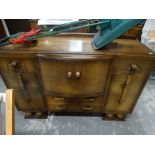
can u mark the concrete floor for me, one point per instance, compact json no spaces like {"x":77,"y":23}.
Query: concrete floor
{"x":141,"y":121}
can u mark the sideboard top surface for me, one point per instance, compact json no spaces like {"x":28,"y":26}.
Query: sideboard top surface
{"x":78,"y":43}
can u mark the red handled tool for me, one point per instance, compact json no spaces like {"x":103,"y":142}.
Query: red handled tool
{"x":22,"y":39}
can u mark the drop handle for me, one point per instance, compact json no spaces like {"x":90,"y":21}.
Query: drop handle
{"x":58,"y":99}
{"x":89,"y":100}
{"x":60,"y":107}
{"x":87,"y":108}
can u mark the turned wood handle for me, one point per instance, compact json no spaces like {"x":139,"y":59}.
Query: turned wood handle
{"x":125,"y":88}
{"x":69,"y":75}
{"x":77,"y":75}
{"x":15,"y":63}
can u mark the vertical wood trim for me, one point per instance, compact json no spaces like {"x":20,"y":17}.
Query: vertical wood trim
{"x":107,"y":86}
{"x":10,"y":112}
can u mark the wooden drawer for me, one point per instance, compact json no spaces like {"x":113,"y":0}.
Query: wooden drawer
{"x":57,"y":104}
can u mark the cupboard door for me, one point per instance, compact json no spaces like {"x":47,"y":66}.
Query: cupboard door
{"x":35,"y":103}
{"x":91,"y":77}
{"x":68,"y":77}
{"x":127,"y":81}
{"x":25,"y":83}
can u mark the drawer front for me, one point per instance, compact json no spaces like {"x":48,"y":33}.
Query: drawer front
{"x":57,"y":104}
{"x":74,"y":78}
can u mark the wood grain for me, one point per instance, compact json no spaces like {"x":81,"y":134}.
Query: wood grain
{"x":10,"y":112}
{"x":66,"y":67}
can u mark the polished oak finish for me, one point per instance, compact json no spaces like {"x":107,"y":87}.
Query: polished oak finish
{"x":65,"y":74}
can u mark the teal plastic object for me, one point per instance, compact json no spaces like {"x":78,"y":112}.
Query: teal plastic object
{"x":109,"y":29}
{"x":112,"y":30}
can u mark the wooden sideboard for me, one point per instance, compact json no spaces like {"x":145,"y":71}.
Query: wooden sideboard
{"x":64,"y":74}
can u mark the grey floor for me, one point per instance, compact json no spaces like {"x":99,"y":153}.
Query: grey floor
{"x":142,"y":120}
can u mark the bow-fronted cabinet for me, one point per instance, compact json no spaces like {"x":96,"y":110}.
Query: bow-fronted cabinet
{"x":64,"y":74}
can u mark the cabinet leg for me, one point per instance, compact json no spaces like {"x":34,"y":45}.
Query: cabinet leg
{"x":28,"y":115}
{"x":116,"y":117}
{"x":108,"y":116}
{"x":39,"y":115}
{"x":120,"y":117}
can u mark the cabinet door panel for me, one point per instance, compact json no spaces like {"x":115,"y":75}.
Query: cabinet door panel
{"x":93,"y":76}
{"x":78,"y":77}
{"x":27,"y":91}
{"x":124,"y":89}
{"x":34,"y":104}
